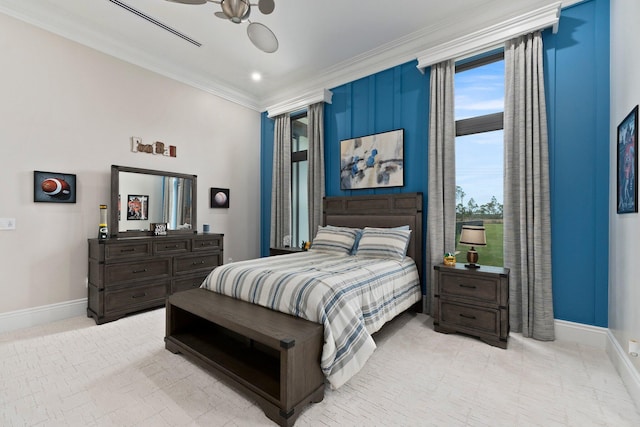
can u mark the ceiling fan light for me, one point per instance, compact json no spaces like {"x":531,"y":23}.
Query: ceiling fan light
{"x":236,"y":10}
{"x":262,"y":37}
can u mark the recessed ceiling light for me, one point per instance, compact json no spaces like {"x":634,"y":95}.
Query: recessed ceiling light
{"x":256,"y":77}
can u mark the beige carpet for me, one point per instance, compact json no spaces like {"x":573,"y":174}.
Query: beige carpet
{"x":74,"y":373}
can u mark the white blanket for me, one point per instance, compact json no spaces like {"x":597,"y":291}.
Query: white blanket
{"x":350,"y":296}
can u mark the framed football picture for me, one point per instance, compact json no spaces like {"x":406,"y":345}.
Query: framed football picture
{"x":54,"y":187}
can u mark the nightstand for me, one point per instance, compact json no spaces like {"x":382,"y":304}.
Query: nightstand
{"x":283,"y":251}
{"x":473,"y":302}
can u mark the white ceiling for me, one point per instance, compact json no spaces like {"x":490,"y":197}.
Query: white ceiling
{"x":322,"y":43}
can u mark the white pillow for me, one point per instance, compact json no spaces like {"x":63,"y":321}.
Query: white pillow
{"x":334,"y":239}
{"x":388,"y":243}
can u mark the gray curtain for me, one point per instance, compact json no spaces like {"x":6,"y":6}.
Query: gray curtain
{"x":315,"y":157}
{"x":441,"y":211}
{"x":281,"y":181}
{"x":527,"y":224}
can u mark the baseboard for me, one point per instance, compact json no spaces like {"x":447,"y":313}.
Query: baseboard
{"x":626,"y":370}
{"x":603,"y":338}
{"x":593,"y":336}
{"x":26,"y":318}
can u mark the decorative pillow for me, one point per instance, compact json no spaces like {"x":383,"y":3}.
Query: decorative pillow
{"x":389,"y":243}
{"x":358,"y":235}
{"x":334,"y":239}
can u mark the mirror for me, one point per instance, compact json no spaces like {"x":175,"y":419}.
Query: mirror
{"x":140,"y":197}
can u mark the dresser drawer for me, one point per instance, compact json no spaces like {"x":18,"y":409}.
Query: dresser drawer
{"x":171,"y":246}
{"x":129,"y":250}
{"x":189,"y":282}
{"x":192,"y":263}
{"x":159,"y":267}
{"x":470,"y":319}
{"x":207,"y":242}
{"x":137,"y":297}
{"x":470,"y":287}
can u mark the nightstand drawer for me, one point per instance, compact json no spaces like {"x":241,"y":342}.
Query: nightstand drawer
{"x":466,"y":286}
{"x":470,"y":319}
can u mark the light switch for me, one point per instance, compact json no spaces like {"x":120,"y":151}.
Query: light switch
{"x":7,"y":223}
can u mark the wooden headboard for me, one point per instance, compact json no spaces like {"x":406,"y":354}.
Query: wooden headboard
{"x":387,"y":210}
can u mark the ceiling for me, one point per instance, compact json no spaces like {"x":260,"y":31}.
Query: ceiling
{"x":322,"y":43}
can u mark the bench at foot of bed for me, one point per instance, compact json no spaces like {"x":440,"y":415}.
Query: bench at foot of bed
{"x":273,"y":356}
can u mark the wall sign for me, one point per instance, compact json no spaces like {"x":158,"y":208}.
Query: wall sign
{"x":156,"y":148}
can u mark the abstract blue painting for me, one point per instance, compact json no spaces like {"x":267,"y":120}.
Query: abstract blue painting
{"x":372,"y":161}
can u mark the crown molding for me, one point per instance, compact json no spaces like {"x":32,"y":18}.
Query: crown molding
{"x":490,"y":37}
{"x":300,"y":102}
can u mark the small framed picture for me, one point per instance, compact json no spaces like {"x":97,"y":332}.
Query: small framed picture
{"x":159,"y":228}
{"x":219,"y":197}
{"x":54,"y":187}
{"x":137,"y":207}
{"x":627,"y":171}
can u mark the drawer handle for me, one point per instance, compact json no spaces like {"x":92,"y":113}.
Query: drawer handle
{"x":171,"y":246}
{"x":140,"y":271}
{"x":144,"y":294}
{"x":197,"y":263}
{"x":462,"y":285}
{"x":128,"y":250}
{"x":206,"y":243}
{"x":466,"y":316}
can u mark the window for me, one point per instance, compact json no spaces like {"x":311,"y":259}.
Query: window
{"x":299,"y":168}
{"x":479,"y":112}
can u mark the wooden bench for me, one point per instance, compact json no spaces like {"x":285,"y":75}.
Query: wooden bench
{"x":273,"y":356}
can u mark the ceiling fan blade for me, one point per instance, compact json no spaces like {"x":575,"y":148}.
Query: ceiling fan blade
{"x":188,"y":1}
{"x":221,"y":15}
{"x":266,"y":6}
{"x":262,"y":37}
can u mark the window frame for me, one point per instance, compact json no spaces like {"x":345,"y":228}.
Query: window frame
{"x":296,"y":157}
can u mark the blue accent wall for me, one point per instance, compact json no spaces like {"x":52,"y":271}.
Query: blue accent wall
{"x":577,"y":86}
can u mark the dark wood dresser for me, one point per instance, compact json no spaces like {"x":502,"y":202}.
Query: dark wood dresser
{"x":127,"y":275}
{"x":473,"y":301}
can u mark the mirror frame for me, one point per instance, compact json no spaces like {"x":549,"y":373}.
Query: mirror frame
{"x":115,"y":190}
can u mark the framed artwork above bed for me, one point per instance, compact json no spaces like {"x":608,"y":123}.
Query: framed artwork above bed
{"x":372,"y":161}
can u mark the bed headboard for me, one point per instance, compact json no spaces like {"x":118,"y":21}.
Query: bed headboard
{"x":380,"y":210}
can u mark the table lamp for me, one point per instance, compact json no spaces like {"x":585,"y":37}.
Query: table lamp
{"x":472,"y":235}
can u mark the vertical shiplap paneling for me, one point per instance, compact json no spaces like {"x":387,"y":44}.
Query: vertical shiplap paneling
{"x":579,"y":158}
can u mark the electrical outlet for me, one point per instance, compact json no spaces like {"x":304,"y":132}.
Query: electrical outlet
{"x":7,"y":223}
{"x":634,"y":348}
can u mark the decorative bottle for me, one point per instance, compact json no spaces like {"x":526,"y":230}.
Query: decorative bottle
{"x":103,"y":229}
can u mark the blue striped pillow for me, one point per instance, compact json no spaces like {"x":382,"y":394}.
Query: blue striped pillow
{"x":332,"y":239}
{"x":388,"y":243}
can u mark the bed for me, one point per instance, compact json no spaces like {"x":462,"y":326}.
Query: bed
{"x":280,"y":326}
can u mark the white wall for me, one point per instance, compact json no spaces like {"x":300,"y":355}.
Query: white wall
{"x":67,"y":108}
{"x":624,"y":239}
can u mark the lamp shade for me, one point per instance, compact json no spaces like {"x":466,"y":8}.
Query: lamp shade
{"x":473,"y":235}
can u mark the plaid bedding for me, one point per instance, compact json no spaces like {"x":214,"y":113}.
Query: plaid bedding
{"x":351,"y":296}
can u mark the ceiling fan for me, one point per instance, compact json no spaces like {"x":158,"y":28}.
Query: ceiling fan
{"x":238,"y":11}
